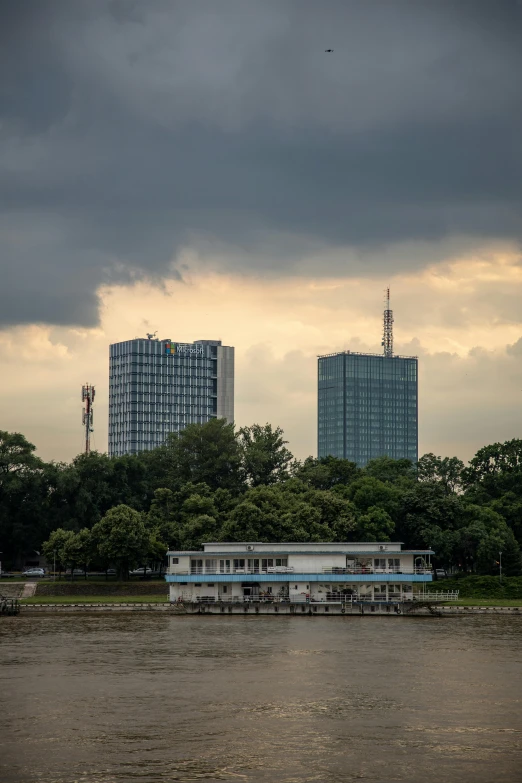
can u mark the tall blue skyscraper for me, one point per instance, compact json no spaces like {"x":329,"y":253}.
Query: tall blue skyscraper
{"x":160,"y":386}
{"x":368,"y":403}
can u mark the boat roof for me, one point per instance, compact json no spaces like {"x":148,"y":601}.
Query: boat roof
{"x":279,"y":552}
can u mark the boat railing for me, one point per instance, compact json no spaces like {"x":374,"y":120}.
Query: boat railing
{"x":327,"y":571}
{"x":442,"y":595}
{"x":329,"y":598}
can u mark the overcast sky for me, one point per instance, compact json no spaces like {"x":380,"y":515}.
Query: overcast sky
{"x":206,"y":169}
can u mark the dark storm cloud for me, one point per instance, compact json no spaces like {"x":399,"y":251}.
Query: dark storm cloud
{"x":130,"y":130}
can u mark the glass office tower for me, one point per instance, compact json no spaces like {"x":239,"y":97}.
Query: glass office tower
{"x":160,"y":386}
{"x":367,"y":406}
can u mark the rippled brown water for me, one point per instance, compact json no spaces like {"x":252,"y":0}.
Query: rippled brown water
{"x":143,"y":698}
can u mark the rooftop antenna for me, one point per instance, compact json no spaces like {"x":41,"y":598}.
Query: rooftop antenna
{"x":387,"y":331}
{"x":151,"y":335}
{"x":88,"y":393}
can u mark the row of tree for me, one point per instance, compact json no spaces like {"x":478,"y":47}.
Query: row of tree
{"x":211,"y":482}
{"x":122,"y":538}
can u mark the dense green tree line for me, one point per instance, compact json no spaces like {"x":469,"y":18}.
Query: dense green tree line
{"x":211,"y":482}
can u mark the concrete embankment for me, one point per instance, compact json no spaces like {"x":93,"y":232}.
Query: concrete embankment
{"x":98,"y":607}
{"x":271,"y":609}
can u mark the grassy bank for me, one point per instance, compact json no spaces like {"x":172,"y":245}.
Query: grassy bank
{"x":473,"y":591}
{"x":482,"y":588}
{"x":92,"y":588}
{"x":97,"y":599}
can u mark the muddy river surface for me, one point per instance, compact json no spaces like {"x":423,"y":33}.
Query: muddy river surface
{"x":152,"y":698}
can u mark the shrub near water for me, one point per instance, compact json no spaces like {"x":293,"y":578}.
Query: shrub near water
{"x":483,"y":586}
{"x":101,"y":588}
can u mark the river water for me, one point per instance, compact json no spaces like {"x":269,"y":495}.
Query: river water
{"x":150,"y":698}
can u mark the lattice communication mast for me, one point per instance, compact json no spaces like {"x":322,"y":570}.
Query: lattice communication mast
{"x":88,"y":393}
{"x":387,"y":332}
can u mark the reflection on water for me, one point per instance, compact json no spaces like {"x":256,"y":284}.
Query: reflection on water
{"x":142,"y":698}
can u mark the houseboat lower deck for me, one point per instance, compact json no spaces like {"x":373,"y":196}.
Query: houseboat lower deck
{"x":282,"y":606}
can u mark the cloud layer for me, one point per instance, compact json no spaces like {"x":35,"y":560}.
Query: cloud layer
{"x":134,"y":133}
{"x":470,"y":356}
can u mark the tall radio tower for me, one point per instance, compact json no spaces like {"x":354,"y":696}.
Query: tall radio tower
{"x":88,"y":393}
{"x":387,"y":332}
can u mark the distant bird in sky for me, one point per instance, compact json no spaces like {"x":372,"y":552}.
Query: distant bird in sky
{"x":328,"y":50}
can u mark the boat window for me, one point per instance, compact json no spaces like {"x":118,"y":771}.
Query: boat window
{"x":196,"y":566}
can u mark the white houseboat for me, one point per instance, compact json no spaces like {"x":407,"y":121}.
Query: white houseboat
{"x":295,"y":573}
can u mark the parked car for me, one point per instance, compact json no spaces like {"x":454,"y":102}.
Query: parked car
{"x":141,"y":572}
{"x":440,"y":573}
{"x":111,"y":572}
{"x":33,"y":572}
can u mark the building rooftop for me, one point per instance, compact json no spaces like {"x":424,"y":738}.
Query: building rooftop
{"x":302,"y":543}
{"x":346,"y":550}
{"x":358,"y":353}
{"x":372,"y":552}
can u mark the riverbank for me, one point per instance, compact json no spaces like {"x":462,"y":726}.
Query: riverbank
{"x":100,"y":596}
{"x":95,"y":599}
{"x":308,"y":610}
{"x":148,"y":593}
{"x":98,"y":587}
{"x":73,"y":608}
{"x":482,"y":588}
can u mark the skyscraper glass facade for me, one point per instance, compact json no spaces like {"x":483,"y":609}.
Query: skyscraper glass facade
{"x":160,"y":386}
{"x":367,"y":406}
